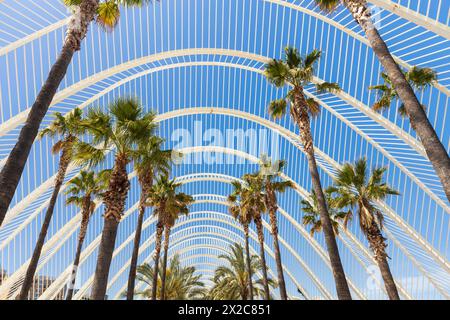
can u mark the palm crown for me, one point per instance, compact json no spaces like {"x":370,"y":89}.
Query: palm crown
{"x":67,"y":127}
{"x":108,"y":11}
{"x":167,"y":203}
{"x":356,"y":189}
{"x":87,"y":183}
{"x":311,"y":215}
{"x":297,"y":72}
{"x":418,"y":78}
{"x":231,"y":280}
{"x":181,"y":282}
{"x":124,"y":128}
{"x":150,"y":159}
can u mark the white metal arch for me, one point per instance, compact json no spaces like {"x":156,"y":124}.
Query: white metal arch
{"x":254,"y":159}
{"x":401,"y":11}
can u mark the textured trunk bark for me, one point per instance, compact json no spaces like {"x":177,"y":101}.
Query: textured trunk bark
{"x":419,"y":121}
{"x":163,"y":276}
{"x":300,"y":115}
{"x":114,"y":200}
{"x":378,"y":245}
{"x":12,"y":171}
{"x":259,"y":228}
{"x":248,"y":261}
{"x":31,"y":270}
{"x":271,"y":204}
{"x":81,"y":237}
{"x":135,"y":254}
{"x":104,"y":259}
{"x":159,"y":232}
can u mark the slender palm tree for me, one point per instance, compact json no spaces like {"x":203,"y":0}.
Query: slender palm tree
{"x":244,"y":219}
{"x":106,"y":13}
{"x":120,"y":130}
{"x":436,"y":152}
{"x":182,"y":282}
{"x":253,"y":203}
{"x":297,"y":72}
{"x":67,"y":129}
{"x":270,"y":171}
{"x":150,"y":160}
{"x":231,"y":280}
{"x":418,"y":78}
{"x":182,"y":202}
{"x":167,"y":204}
{"x":311,"y":215}
{"x":355,"y":189}
{"x":82,"y":190}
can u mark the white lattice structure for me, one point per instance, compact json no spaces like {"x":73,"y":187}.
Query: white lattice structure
{"x":199,"y":64}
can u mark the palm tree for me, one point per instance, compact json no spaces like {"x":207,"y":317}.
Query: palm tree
{"x":182,"y":283}
{"x":436,"y":152}
{"x":182,"y":201}
{"x":244,"y":219}
{"x":67,"y":128}
{"x":123,"y":128}
{"x":231,"y":280}
{"x":269,"y":171}
{"x":106,"y":13}
{"x":167,"y":205}
{"x":418,"y":78}
{"x":311,"y":215}
{"x":297,"y":72}
{"x":355,"y":189}
{"x":83,"y":188}
{"x":150,"y":160}
{"x":253,"y":203}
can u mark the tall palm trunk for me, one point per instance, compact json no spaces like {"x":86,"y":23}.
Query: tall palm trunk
{"x":163,"y":276}
{"x":300,"y":114}
{"x":83,"y":229}
{"x":271,"y":204}
{"x":433,"y":147}
{"x":114,"y":200}
{"x":135,"y":254}
{"x":159,"y":232}
{"x":378,"y":245}
{"x":12,"y":171}
{"x":248,"y":261}
{"x":259,"y":228}
{"x":31,"y":270}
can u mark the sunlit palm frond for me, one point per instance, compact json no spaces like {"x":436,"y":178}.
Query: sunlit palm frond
{"x":108,"y":14}
{"x":292,"y":57}
{"x":277,"y":108}
{"x":277,"y":72}
{"x":327,"y":5}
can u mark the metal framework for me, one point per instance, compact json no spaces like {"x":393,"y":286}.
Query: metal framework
{"x":203,"y":62}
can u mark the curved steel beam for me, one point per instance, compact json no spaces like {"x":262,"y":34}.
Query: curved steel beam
{"x":252,"y":158}
{"x":386,"y":4}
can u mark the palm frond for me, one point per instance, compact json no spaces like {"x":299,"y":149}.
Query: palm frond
{"x":277,"y":108}
{"x":108,"y":14}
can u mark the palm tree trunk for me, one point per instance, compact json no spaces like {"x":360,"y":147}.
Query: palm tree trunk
{"x":259,"y":228}
{"x":114,"y":200}
{"x":12,"y":171}
{"x":81,"y":237}
{"x":163,"y":276}
{"x":31,"y":270}
{"x":419,"y":121}
{"x":248,"y":261}
{"x":378,"y":245}
{"x":300,"y":114}
{"x":135,"y":254}
{"x":159,"y":232}
{"x":274,"y":226}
